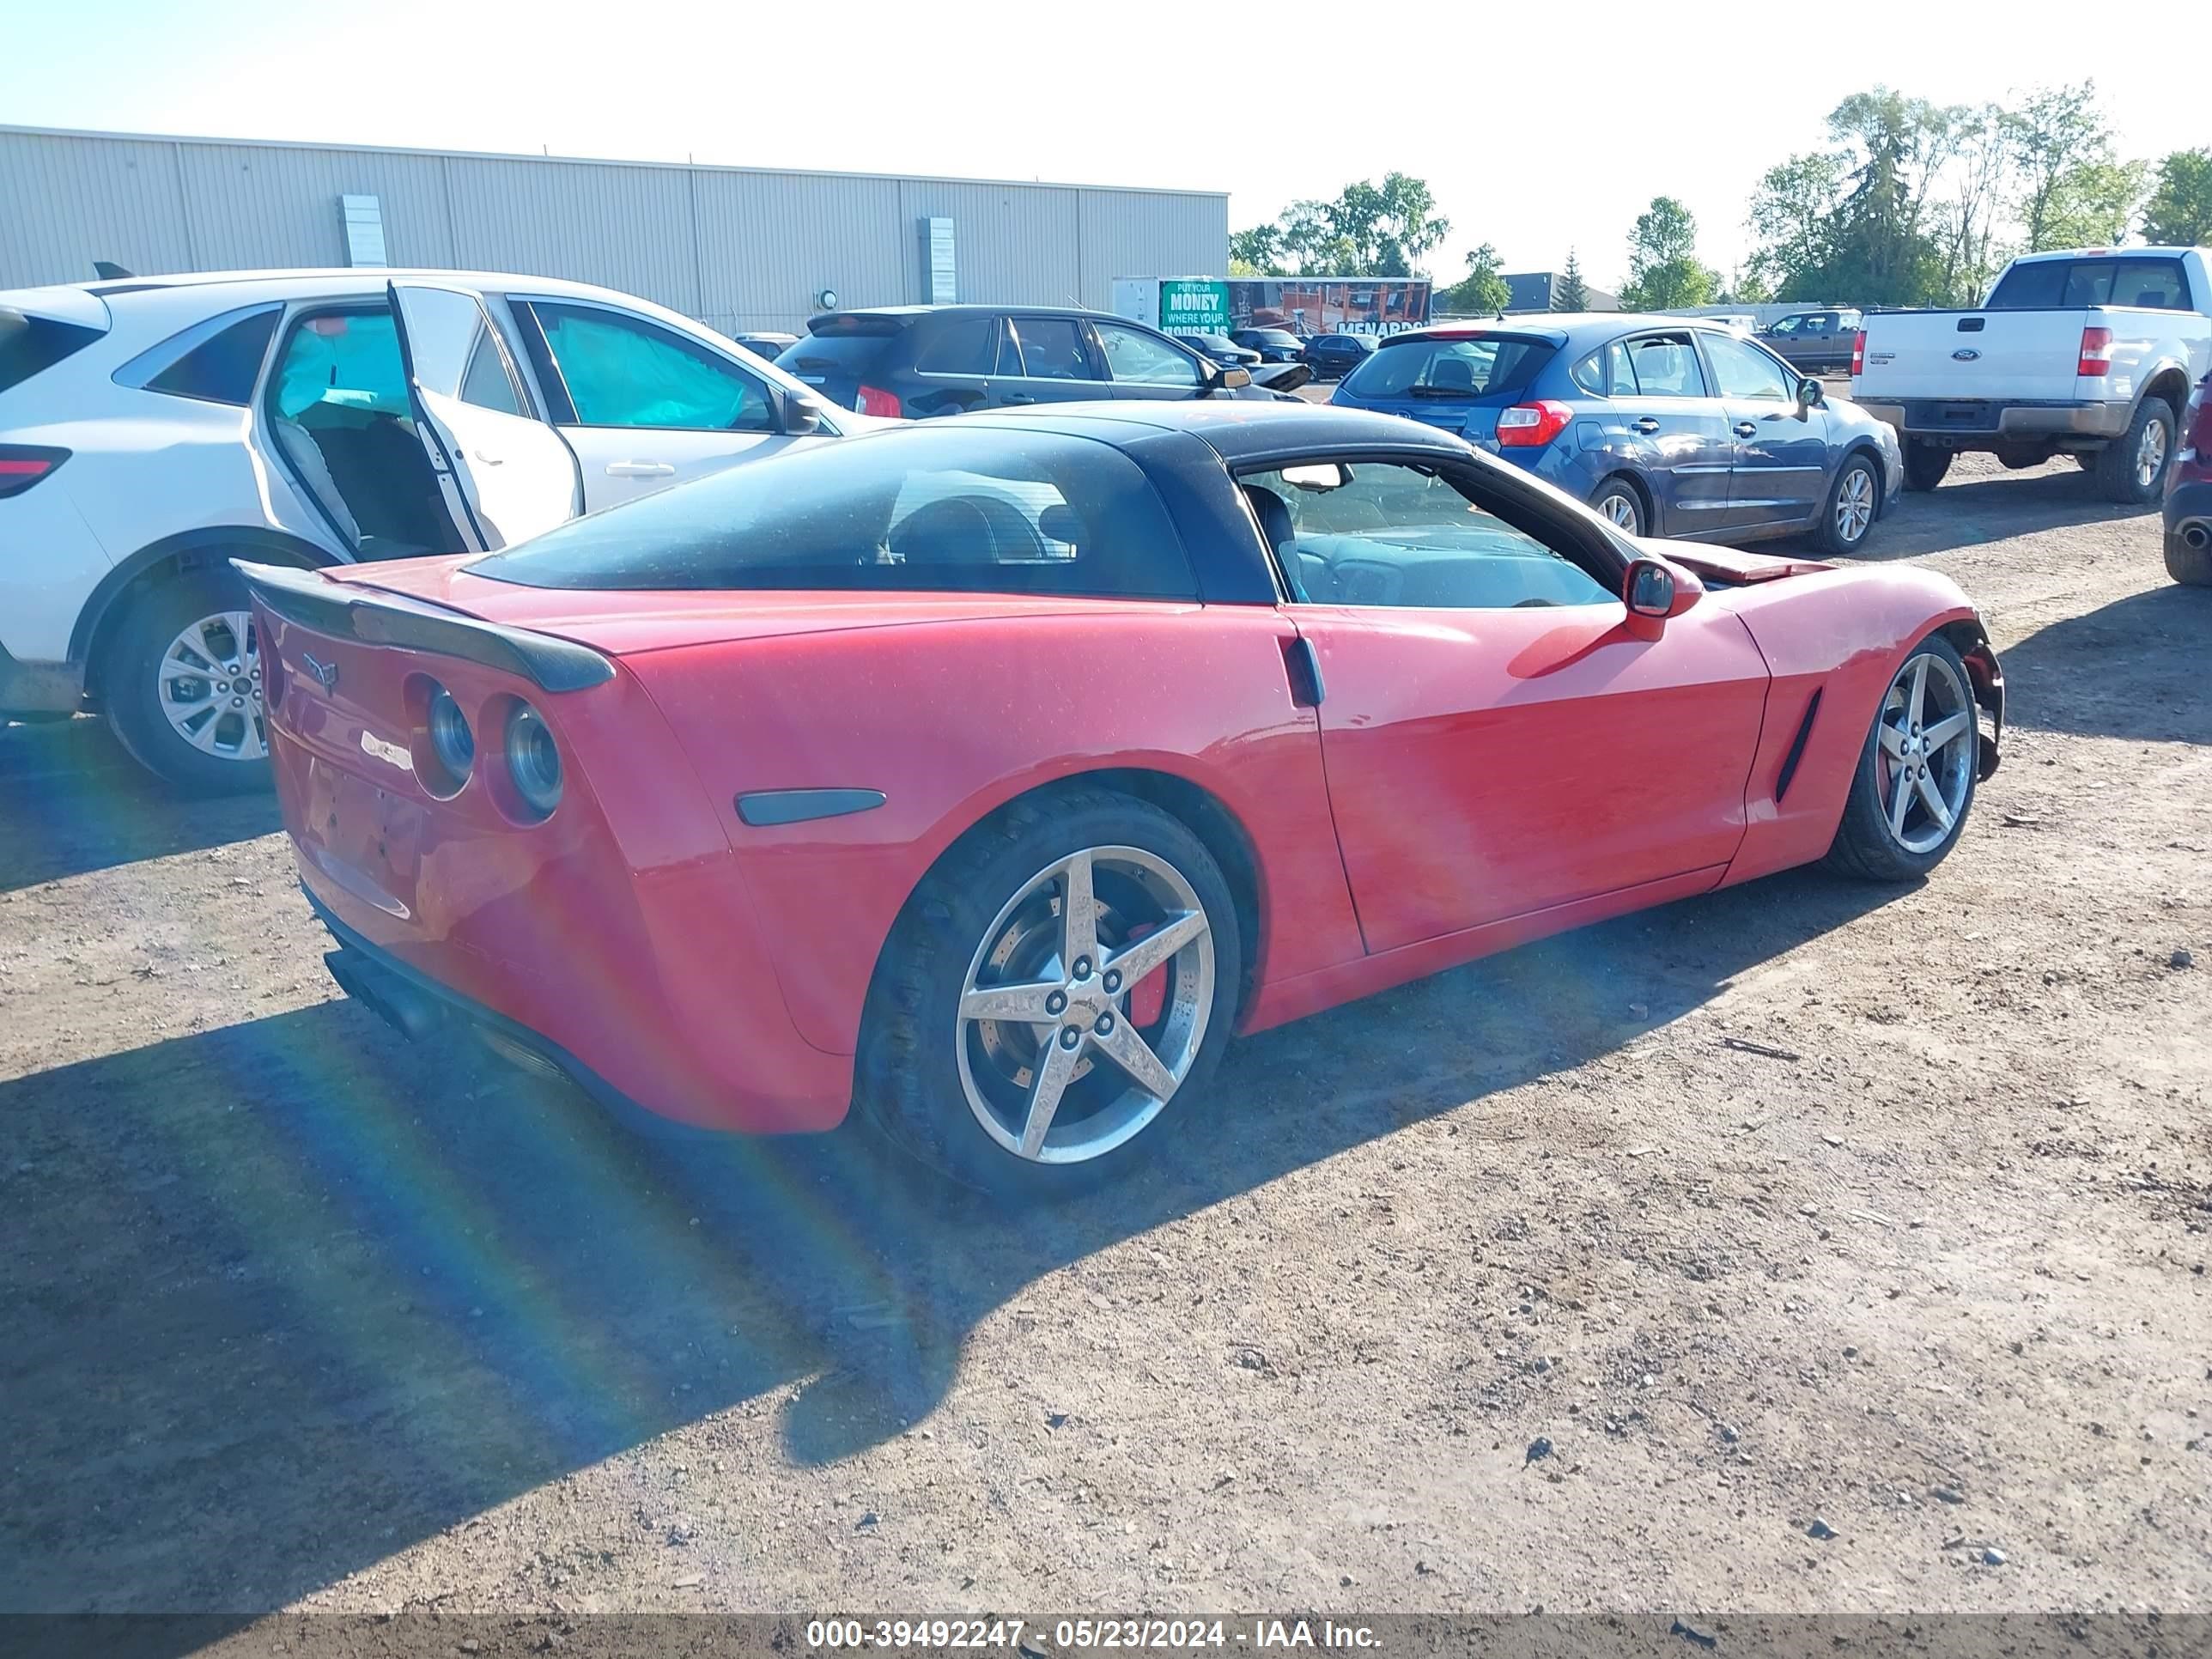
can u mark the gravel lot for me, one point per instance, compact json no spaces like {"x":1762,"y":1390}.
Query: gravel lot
{"x":1798,"y":1204}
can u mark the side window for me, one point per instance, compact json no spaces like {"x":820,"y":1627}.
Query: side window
{"x":1619,"y":371}
{"x":960,"y":345}
{"x":1053,"y":349}
{"x":1391,"y":534}
{"x":622,"y":370}
{"x":1666,"y":367}
{"x":2156,"y":284}
{"x":449,"y":341}
{"x":1131,"y":356}
{"x":339,"y":361}
{"x":1745,"y":371}
{"x":219,"y":366}
{"x":1588,"y":373}
{"x":1789,"y":326}
{"x":1822,"y":323}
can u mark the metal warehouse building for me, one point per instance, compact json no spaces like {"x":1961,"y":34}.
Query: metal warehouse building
{"x":738,"y":248}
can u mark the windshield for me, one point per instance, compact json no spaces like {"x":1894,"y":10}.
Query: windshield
{"x":1482,"y":366}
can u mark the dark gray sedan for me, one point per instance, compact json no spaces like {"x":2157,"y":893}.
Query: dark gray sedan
{"x":1668,"y":426}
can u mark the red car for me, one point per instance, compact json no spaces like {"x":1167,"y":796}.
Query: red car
{"x":989,"y":774}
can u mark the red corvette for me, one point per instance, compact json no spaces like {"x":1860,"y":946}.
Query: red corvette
{"x":990,"y":773}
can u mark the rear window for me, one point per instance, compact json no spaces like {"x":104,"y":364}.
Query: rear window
{"x":1484,"y":366}
{"x":2070,"y":284}
{"x":821,"y":354}
{"x":221,"y":366}
{"x":29,"y":345}
{"x":925,"y":510}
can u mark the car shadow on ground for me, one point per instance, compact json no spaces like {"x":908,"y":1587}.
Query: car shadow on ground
{"x":72,"y":801}
{"x":295,"y":1294}
{"x":1976,"y":509}
{"x":2149,"y":651}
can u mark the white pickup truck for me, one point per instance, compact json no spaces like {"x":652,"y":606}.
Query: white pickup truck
{"x":2090,"y":351}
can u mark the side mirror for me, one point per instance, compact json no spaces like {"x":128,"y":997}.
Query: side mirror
{"x":1653,"y":592}
{"x":801,"y":416}
{"x":1809,"y":394}
{"x":1219,"y":379}
{"x":1649,"y":590}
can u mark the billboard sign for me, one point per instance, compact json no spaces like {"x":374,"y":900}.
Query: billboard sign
{"x":1192,"y":305}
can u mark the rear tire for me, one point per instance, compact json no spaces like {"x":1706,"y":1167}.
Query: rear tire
{"x":2190,"y":566}
{"x":1621,"y":505}
{"x":2131,"y":470}
{"x":180,"y":685}
{"x":1925,"y":464}
{"x":1877,"y":841}
{"x":958,"y":1088}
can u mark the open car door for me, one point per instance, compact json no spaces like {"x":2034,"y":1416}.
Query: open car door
{"x":505,"y":475}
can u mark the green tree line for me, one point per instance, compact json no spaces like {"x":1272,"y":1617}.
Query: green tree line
{"x":1908,"y":203}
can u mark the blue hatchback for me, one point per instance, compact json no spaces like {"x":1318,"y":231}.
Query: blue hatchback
{"x":1668,"y":426}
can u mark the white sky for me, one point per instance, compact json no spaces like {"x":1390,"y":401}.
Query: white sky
{"x":1554,"y":129}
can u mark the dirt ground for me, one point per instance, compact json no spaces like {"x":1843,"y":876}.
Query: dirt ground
{"x":1847,"y":1246}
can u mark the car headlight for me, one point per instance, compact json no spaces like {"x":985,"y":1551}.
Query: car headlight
{"x":533,"y":760}
{"x":451,"y":740}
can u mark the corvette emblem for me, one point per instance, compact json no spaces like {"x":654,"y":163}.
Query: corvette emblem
{"x":325,"y":673}
{"x":1965,"y":355}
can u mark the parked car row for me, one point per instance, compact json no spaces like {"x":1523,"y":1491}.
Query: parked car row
{"x":150,"y":429}
{"x":918,"y":362}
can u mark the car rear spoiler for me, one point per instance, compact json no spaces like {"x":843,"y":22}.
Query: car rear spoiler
{"x":1280,"y":377}
{"x":347,"y":611}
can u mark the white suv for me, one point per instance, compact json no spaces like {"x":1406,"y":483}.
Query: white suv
{"x":151,"y":428}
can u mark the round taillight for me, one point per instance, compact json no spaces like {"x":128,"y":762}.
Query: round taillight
{"x":533,"y":760}
{"x":451,"y":741}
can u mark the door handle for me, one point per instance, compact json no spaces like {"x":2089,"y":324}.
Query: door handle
{"x":488,"y":460}
{"x":1745,"y":430}
{"x":1019,"y":397}
{"x":640,"y":470}
{"x":1302,"y":663}
{"x":1647,"y":424}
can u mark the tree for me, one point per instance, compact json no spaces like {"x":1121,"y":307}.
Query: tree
{"x":1748,"y":288}
{"x":2056,"y":136}
{"x":1259,"y":250}
{"x":1796,"y":212}
{"x":2093,"y":203}
{"x":1482,"y":289}
{"x":1368,"y":230}
{"x":2179,"y":212}
{"x":1664,"y":273}
{"x":1572,"y":293}
{"x":1964,"y":221}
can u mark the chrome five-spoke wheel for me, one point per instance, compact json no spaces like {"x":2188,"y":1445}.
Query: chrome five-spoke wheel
{"x":1855,"y":503}
{"x":1086,"y":1005}
{"x":210,"y":686}
{"x":1926,"y":739}
{"x":1056,"y":993}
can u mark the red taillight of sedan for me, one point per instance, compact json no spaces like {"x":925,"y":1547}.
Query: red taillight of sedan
{"x":1531,"y":426}
{"x":874,"y":400}
{"x":22,"y":465}
{"x":1858,"y":354}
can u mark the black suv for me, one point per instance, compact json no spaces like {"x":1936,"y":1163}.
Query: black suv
{"x":920,"y":361}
